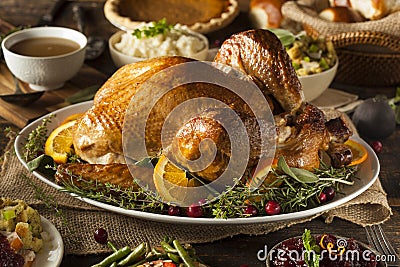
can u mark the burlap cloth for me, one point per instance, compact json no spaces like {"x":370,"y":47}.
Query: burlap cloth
{"x":82,"y":219}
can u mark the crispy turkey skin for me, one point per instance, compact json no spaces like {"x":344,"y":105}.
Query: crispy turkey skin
{"x":301,"y":128}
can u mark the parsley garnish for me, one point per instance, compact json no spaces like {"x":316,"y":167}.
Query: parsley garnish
{"x":313,"y":251}
{"x":159,"y":27}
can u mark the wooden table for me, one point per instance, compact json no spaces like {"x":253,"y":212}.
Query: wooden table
{"x":238,"y":250}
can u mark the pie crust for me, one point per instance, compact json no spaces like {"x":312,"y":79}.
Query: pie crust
{"x":201,"y":16}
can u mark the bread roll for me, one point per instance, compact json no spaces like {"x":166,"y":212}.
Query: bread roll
{"x":370,"y":9}
{"x":341,"y":14}
{"x":266,"y":13}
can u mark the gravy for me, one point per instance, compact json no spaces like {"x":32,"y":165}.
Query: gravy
{"x":44,"y":47}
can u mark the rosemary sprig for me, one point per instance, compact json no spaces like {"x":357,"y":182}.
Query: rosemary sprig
{"x":159,"y":27}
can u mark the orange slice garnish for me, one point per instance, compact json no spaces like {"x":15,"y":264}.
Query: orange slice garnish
{"x":359,"y":152}
{"x":170,"y":181}
{"x":72,"y":117}
{"x":59,"y":143}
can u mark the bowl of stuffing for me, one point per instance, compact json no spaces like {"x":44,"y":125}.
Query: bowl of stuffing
{"x":156,"y":39}
{"x":314,"y":60}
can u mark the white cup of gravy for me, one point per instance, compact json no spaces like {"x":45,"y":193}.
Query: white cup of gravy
{"x":45,"y":57}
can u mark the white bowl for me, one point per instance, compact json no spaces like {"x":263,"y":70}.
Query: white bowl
{"x":315,"y":84}
{"x":50,"y":72}
{"x":120,"y":59}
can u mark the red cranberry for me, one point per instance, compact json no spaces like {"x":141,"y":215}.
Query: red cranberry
{"x":322,"y":198}
{"x":330,"y":193}
{"x":174,"y":211}
{"x":251,"y":210}
{"x":272,"y":207}
{"x":194,"y":211}
{"x":376,"y":146}
{"x":101,"y":236}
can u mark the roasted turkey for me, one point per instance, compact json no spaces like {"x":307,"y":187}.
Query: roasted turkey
{"x":301,"y":128}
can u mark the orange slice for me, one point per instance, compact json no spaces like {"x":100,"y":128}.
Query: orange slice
{"x":59,"y":143}
{"x":171,"y":181}
{"x":359,"y":152}
{"x":72,"y":117}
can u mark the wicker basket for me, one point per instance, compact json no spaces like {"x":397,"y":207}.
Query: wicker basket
{"x":368,"y":52}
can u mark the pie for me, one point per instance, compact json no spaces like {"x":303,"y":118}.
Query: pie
{"x":201,"y":16}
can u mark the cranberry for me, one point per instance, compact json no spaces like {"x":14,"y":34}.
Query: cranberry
{"x":194,"y":211}
{"x":174,"y":211}
{"x":376,"y":146}
{"x":322,"y":198}
{"x":251,"y":210}
{"x":272,"y":207}
{"x":330,"y":193}
{"x":101,"y":236}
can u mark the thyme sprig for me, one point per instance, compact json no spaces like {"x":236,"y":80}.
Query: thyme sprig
{"x":36,"y":140}
{"x":133,"y":199}
{"x":289,"y":192}
{"x":295,"y":190}
{"x":49,"y":201}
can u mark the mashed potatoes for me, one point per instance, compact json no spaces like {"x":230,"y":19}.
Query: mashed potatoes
{"x":178,"y":41}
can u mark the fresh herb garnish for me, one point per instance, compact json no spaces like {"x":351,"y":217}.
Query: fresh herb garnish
{"x":313,"y":251}
{"x":294,"y":190}
{"x":301,"y":175}
{"x":36,"y":139}
{"x":159,"y":27}
{"x":286,"y":37}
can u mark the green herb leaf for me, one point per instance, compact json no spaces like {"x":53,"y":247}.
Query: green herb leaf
{"x":300,"y":175}
{"x":159,"y":27}
{"x":304,"y":176}
{"x":311,"y":256}
{"x":41,"y":164}
{"x":282,"y":165}
{"x":83,"y":95}
{"x":287,"y":38}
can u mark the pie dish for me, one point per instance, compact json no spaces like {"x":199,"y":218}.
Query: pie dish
{"x":200,"y":16}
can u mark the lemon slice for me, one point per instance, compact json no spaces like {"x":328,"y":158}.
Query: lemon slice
{"x":171,"y":182}
{"x":59,"y":143}
{"x":359,"y":152}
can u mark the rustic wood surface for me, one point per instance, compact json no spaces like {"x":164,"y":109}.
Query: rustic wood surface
{"x":238,"y":250}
